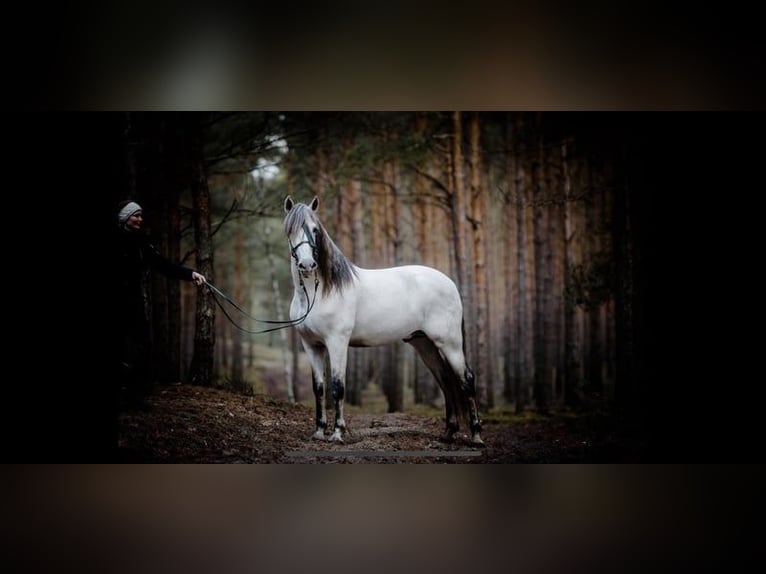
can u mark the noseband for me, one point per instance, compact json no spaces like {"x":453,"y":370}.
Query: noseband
{"x":309,"y":239}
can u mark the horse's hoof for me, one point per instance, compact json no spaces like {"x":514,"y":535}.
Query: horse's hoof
{"x":319,"y":435}
{"x":447,"y":437}
{"x":336,"y":438}
{"x":476,"y":441}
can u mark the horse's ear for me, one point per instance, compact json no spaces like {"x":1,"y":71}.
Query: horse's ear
{"x":314,"y":203}
{"x":288,"y":204}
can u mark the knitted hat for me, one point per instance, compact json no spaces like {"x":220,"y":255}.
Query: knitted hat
{"x":130,"y":208}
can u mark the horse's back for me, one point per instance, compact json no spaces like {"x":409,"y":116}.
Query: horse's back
{"x":409,"y":279}
{"x":395,"y":302}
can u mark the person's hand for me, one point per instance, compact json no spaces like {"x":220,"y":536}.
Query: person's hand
{"x":198,"y":278}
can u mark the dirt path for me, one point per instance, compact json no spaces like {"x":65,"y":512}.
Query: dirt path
{"x":188,"y":424}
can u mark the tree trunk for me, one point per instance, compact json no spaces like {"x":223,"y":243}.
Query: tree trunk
{"x":377,"y":221}
{"x":426,"y":389}
{"x":552,"y":289}
{"x":523,"y":333}
{"x":458,"y":205}
{"x":542,"y":282}
{"x":204,"y":335}
{"x":572,"y":377}
{"x":478,"y":214}
{"x":595,"y":352}
{"x":173,"y":162}
{"x":606,"y":182}
{"x":510,"y":232}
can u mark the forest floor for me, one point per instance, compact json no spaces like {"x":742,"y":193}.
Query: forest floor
{"x":191,"y":424}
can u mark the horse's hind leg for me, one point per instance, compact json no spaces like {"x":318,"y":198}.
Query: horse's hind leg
{"x":439,"y":368}
{"x":456,"y":359}
{"x":473,"y":411}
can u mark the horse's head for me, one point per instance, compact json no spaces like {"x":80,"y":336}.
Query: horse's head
{"x":303,"y":233}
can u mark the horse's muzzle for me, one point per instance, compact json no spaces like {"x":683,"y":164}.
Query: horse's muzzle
{"x":307,"y":267}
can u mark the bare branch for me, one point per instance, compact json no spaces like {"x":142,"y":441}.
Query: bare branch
{"x":435,"y":181}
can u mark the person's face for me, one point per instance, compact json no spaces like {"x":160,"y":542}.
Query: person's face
{"x":135,"y":221}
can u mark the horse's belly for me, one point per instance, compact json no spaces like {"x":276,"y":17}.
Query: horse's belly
{"x":372,"y":331}
{"x":375,"y":341}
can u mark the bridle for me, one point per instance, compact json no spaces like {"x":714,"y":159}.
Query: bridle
{"x":309,"y":239}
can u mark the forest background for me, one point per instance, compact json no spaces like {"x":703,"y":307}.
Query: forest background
{"x":538,"y":218}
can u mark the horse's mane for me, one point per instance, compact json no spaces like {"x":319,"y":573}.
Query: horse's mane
{"x":335,"y":270}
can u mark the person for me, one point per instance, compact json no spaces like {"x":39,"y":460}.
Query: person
{"x":137,"y":257}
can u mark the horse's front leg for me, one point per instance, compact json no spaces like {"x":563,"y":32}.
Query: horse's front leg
{"x":338,"y":353}
{"x":316,"y":355}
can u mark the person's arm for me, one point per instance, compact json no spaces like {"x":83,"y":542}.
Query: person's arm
{"x":170,"y":269}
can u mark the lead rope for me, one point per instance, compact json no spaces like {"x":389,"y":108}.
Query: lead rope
{"x":282,"y":324}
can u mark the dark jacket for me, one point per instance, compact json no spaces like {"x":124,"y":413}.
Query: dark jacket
{"x":136,"y":257}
